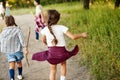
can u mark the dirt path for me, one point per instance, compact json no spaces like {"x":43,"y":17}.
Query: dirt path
{"x":40,"y":70}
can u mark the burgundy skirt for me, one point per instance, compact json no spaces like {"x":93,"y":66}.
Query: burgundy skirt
{"x":55,"y":55}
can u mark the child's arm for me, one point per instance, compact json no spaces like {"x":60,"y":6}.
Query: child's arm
{"x":42,"y":17}
{"x":76,"y":36}
{"x":44,"y":39}
{"x":21,"y":38}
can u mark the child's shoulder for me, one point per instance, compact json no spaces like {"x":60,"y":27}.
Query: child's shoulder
{"x":18,"y":28}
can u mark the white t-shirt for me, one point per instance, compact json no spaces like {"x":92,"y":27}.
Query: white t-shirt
{"x":58,"y":31}
{"x":38,"y":10}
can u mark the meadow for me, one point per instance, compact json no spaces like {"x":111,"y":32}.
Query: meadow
{"x":100,"y":51}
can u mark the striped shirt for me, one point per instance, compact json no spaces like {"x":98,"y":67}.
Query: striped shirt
{"x":11,"y":40}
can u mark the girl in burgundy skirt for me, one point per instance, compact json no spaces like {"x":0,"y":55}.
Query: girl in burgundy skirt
{"x":53,"y":37}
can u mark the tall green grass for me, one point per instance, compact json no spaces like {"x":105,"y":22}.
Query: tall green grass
{"x":100,"y":51}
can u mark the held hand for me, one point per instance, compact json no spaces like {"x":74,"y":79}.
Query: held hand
{"x":26,"y":56}
{"x":26,"y":51}
{"x":84,"y":34}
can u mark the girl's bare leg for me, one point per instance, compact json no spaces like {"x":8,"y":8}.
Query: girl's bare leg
{"x":63,"y":70}
{"x":53,"y":70}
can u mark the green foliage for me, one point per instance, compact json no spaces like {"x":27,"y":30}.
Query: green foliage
{"x":46,"y":2}
{"x":29,"y":3}
{"x":105,"y":37}
{"x":104,"y":0}
{"x":1,"y":0}
{"x":21,"y":3}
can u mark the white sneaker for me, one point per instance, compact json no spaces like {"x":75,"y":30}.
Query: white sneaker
{"x":11,"y":79}
{"x":20,"y":77}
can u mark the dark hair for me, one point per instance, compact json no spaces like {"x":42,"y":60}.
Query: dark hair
{"x":38,"y":1}
{"x":53,"y":17}
{"x":10,"y":21}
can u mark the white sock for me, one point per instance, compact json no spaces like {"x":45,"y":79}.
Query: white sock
{"x":62,"y":78}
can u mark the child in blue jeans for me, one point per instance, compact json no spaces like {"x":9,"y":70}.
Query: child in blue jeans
{"x":12,"y":43}
{"x":38,"y":18}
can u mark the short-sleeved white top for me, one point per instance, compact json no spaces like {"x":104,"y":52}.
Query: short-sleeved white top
{"x":59,"y":31}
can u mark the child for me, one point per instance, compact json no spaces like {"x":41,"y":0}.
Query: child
{"x":2,"y":10}
{"x":38,"y":18}
{"x":12,"y":43}
{"x":7,"y":12}
{"x":53,"y":37}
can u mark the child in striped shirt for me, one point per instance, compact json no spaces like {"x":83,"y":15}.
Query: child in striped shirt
{"x":12,"y":43}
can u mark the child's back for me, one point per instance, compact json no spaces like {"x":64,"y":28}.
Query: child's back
{"x":10,"y":37}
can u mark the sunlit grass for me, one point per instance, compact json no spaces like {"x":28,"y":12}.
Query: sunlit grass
{"x":1,"y":26}
{"x":21,"y":11}
{"x":60,"y":7}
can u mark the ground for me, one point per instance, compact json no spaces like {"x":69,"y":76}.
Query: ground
{"x":40,"y":70}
